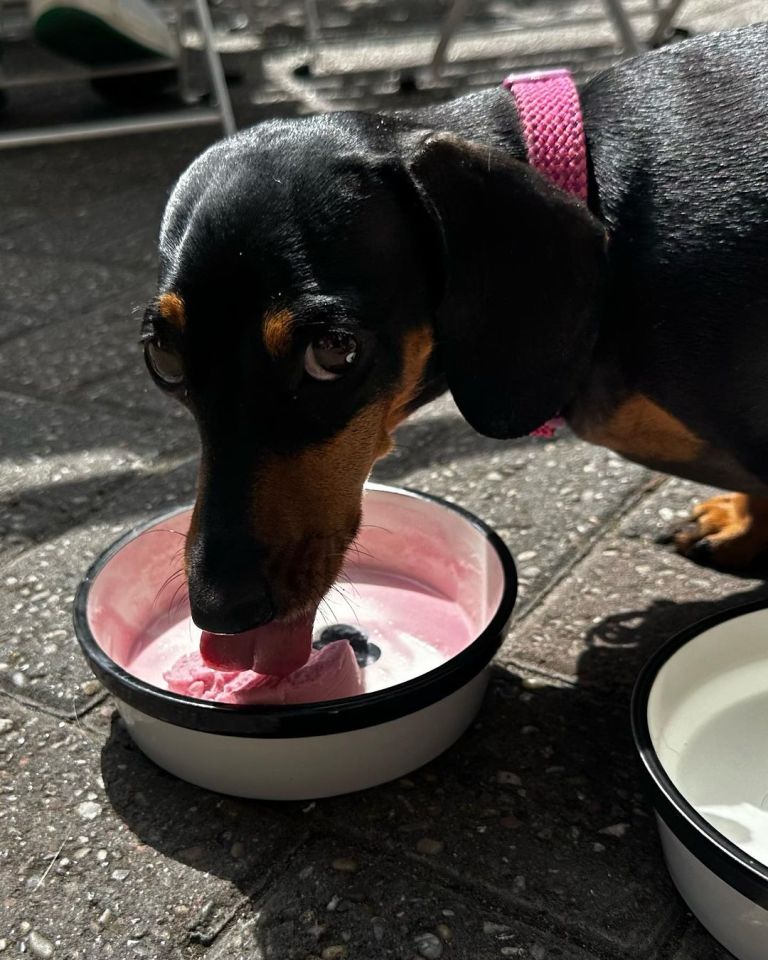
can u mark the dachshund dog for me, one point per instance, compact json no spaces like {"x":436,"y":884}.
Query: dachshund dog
{"x":320,"y":278}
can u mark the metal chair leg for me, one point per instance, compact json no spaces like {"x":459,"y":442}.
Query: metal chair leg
{"x":629,"y":41}
{"x":665,"y":18}
{"x":218,"y":80}
{"x":451,"y":24}
{"x":312,"y":26}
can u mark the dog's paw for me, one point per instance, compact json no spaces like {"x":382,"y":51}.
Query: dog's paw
{"x":729,"y":531}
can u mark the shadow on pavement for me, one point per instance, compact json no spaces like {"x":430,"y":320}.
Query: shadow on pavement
{"x":620,"y":644}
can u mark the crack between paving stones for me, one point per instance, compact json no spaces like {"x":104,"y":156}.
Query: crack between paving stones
{"x":605,"y":700}
{"x":262,"y":888}
{"x":530,"y":916}
{"x":501,"y":674}
{"x":670,"y":948}
{"x":93,"y":381}
{"x":41,"y":322}
{"x":31,"y":256}
{"x":601,"y":532}
{"x":544,"y":674}
{"x":64,"y":405}
{"x":138,"y":476}
{"x":108,"y":375}
{"x":88,"y":261}
{"x":71,"y":717}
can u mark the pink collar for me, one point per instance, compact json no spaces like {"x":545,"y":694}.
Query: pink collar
{"x":553,"y":127}
{"x":550,"y":115}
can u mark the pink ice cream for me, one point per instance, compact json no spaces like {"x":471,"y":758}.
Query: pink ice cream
{"x":329,"y":674}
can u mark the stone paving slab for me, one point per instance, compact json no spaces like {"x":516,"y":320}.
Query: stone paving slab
{"x":46,"y":289}
{"x":39,"y":657}
{"x":539,"y":806}
{"x":78,"y":349}
{"x":104,"y":855}
{"x":45,"y":445}
{"x":87,"y":231}
{"x":53,"y":179}
{"x":14,"y":323}
{"x":379,"y":907}
{"x":59,"y":463}
{"x":24,"y":523}
{"x":131,"y":392}
{"x":628,"y":597}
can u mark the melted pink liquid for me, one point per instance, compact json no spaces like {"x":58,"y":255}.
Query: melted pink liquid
{"x":416,"y":628}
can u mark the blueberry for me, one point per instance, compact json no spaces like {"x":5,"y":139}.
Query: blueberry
{"x":341,"y":631}
{"x":365,"y":651}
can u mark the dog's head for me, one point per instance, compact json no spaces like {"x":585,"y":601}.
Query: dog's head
{"x":319,"y":279}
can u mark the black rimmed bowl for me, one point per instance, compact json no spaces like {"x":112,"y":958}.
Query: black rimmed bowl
{"x":700,"y":722}
{"x":424,"y":547}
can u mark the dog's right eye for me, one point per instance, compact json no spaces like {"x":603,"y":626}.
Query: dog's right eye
{"x":164,"y":363}
{"x":331,"y":355}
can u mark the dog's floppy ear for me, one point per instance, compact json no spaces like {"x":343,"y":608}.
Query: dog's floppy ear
{"x":523,"y":266}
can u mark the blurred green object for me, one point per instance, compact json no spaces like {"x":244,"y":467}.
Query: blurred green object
{"x":102,"y":33}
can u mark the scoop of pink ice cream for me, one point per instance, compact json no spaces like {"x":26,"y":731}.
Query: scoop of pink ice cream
{"x":329,"y":674}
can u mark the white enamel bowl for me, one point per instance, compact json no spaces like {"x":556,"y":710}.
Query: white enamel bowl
{"x":312,"y":749}
{"x":700,"y":722}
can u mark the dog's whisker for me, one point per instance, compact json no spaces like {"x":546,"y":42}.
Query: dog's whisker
{"x":176,"y":533}
{"x":177,"y":597}
{"x":335,"y":589}
{"x":324,"y":604}
{"x":374,"y":526}
{"x":360,"y":550}
{"x":167,"y":582}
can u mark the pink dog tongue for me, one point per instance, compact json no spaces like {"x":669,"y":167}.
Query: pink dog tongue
{"x":276,"y":648}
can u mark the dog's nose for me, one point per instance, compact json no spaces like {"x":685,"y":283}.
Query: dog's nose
{"x":230,"y":607}
{"x":227,"y":595}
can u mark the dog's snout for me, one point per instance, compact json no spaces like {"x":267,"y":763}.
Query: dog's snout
{"x":228,"y":593}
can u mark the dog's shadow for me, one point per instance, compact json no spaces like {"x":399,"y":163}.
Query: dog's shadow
{"x":620,"y":644}
{"x":257,"y":846}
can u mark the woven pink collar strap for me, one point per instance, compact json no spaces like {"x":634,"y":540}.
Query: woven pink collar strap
{"x":550,"y":115}
{"x":553,"y":127}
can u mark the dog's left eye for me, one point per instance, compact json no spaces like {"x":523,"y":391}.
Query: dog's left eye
{"x":165,"y":363}
{"x":330,"y":355}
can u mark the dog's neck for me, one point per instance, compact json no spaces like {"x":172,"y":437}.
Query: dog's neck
{"x":489,"y":117}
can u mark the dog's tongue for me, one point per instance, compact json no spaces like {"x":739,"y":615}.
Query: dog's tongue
{"x":276,"y":648}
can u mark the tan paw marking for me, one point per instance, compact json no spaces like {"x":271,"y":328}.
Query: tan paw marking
{"x":729,"y":531}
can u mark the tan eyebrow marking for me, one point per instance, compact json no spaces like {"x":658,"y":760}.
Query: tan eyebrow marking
{"x":277,"y":332}
{"x":171,"y":309}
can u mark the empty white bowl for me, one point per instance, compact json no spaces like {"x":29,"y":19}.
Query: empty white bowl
{"x":409,"y":541}
{"x":700,"y":721}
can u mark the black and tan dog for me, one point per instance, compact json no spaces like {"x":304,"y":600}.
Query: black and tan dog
{"x":321,"y":278}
